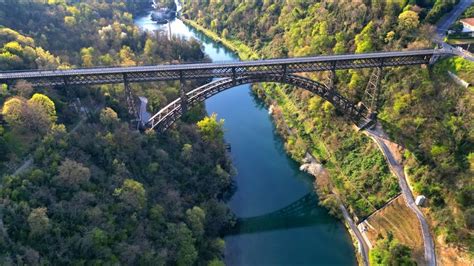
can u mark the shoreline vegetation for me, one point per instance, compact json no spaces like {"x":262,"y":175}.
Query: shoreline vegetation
{"x":244,"y":52}
{"x":322,"y":183}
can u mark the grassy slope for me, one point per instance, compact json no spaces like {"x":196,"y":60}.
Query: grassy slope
{"x":398,"y":219}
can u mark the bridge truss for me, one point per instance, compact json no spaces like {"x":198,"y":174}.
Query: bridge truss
{"x":231,"y":74}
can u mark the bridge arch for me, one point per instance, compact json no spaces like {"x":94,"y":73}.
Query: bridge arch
{"x":174,"y":110}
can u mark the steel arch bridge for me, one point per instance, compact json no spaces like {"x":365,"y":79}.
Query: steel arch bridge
{"x":173,"y":111}
{"x":231,"y":74}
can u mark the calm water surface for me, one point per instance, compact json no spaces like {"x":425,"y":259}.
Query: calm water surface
{"x":267,"y":181}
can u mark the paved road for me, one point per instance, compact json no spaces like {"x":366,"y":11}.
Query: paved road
{"x":444,"y":24}
{"x":398,"y":170}
{"x":364,"y":249}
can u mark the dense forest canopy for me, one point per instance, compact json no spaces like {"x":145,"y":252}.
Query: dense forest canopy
{"x":97,"y":191}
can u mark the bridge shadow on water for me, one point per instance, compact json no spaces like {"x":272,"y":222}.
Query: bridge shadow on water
{"x":301,"y":213}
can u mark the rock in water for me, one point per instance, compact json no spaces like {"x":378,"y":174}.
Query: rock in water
{"x":270,"y":109}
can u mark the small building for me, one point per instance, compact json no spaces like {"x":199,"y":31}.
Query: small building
{"x":468,"y":26}
{"x":420,"y":200}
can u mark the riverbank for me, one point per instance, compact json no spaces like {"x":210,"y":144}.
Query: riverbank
{"x":334,"y":205}
{"x":244,"y":52}
{"x":328,"y":195}
{"x":260,"y":159}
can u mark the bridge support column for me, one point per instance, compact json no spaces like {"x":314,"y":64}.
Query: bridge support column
{"x":234,"y":76}
{"x":372,"y":97}
{"x":332,"y":79}
{"x":131,"y":104}
{"x":182,"y":94}
{"x":285,"y":72}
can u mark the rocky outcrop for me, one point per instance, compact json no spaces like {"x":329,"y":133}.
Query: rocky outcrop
{"x":311,"y":166}
{"x":270,"y":109}
{"x":163,"y":15}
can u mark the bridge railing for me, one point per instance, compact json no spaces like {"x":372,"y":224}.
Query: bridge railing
{"x":104,"y":75}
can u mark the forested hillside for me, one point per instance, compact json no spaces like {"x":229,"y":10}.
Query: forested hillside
{"x":422,"y":110}
{"x":95,"y":190}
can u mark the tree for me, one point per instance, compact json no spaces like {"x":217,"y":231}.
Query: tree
{"x":13,"y":47}
{"x":23,"y":88}
{"x":364,"y":40}
{"x":70,"y":21}
{"x":108,"y":117}
{"x":127,"y":57}
{"x":186,"y":151}
{"x":390,"y":252}
{"x":45,"y":60}
{"x":35,"y":115}
{"x":210,"y":128}
{"x":195,"y":219}
{"x":390,"y":36}
{"x":87,"y":57}
{"x":408,"y":20}
{"x":132,"y":192}
{"x":41,"y":101}
{"x":180,"y":238}
{"x":157,"y":214}
{"x":38,"y":221}
{"x":149,"y":51}
{"x":12,"y":111}
{"x":99,"y":237}
{"x":71,"y":174}
{"x":218,"y":217}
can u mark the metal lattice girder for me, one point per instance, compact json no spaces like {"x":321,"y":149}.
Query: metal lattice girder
{"x":130,"y":98}
{"x":282,"y":67}
{"x":372,"y":91}
{"x":173,"y":111}
{"x":182,"y":94}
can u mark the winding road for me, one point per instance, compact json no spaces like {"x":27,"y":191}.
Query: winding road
{"x":395,"y":166}
{"x":363,"y":247}
{"x":398,"y":170}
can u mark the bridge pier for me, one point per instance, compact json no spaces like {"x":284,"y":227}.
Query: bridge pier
{"x":234,"y":76}
{"x":182,"y":93}
{"x":66,"y":87}
{"x":371,"y":100}
{"x":332,"y":79}
{"x":131,"y":103}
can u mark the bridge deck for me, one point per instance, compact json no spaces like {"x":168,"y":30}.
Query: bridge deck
{"x":105,"y":75}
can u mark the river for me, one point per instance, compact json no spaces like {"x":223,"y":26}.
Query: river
{"x":267,"y":181}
